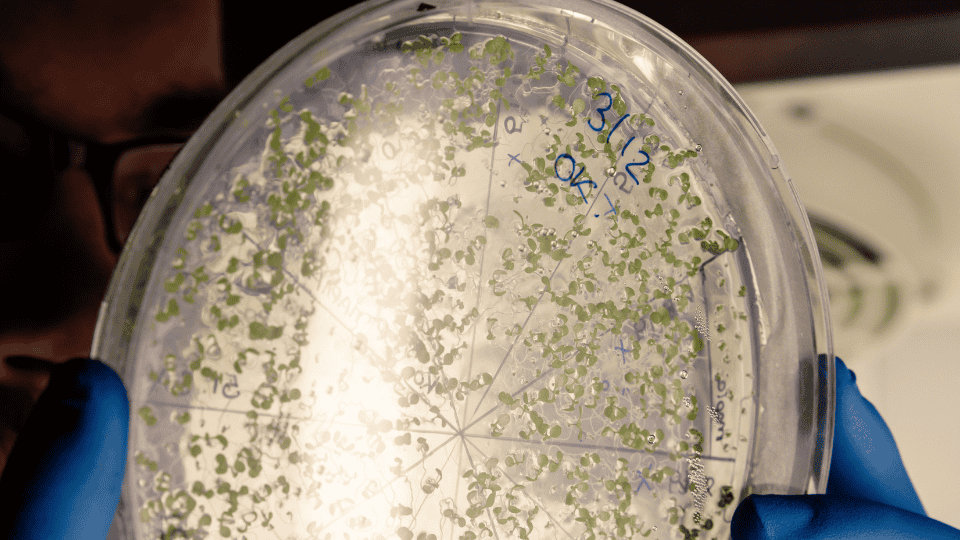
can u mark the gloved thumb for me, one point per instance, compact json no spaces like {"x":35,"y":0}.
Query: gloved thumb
{"x":823,"y":517}
{"x":866,"y":463}
{"x":869,"y":494}
{"x":64,"y":475}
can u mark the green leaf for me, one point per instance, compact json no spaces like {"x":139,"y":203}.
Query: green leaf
{"x":259,"y":330}
{"x":597,"y":84}
{"x":174,"y":284}
{"x":221,"y":464}
{"x":204,"y":210}
{"x":578,"y":106}
{"x":147,"y":415}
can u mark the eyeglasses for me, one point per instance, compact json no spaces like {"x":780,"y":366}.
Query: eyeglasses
{"x":124,"y":175}
{"x":32,"y":155}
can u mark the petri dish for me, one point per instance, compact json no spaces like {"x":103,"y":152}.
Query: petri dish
{"x":456,"y":271}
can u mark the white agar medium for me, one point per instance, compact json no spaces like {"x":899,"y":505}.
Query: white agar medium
{"x":454,"y":296}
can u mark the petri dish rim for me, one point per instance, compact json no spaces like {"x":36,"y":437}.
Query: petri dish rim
{"x":121,"y":307}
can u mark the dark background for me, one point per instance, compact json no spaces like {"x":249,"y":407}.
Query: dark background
{"x":746,"y":41}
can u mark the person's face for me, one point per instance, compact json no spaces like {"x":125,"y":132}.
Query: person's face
{"x":108,"y":71}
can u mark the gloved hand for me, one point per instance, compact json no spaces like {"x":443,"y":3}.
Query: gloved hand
{"x":64,"y":474}
{"x":868,"y":492}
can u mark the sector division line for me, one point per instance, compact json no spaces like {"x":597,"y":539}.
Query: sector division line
{"x":474,"y":467}
{"x":403,"y":474}
{"x":455,"y":424}
{"x":342,"y":324}
{"x":483,"y":253}
{"x":456,"y":488}
{"x":539,"y":503}
{"x":585,"y":446}
{"x":442,"y":467}
{"x":527,"y":320}
{"x":158,"y":403}
{"x":476,"y":419}
{"x":287,"y":416}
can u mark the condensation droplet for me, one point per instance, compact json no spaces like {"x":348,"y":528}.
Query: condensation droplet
{"x":688,"y":404}
{"x":654,"y":528}
{"x":683,"y":374}
{"x":611,"y":171}
{"x":699,"y":148}
{"x":680,"y":92}
{"x":652,"y":439}
{"x":503,"y":183}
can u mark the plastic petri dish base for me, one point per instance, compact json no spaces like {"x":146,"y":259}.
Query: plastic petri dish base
{"x":467,"y":271}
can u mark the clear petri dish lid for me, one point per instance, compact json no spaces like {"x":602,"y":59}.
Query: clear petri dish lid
{"x":525,"y":269}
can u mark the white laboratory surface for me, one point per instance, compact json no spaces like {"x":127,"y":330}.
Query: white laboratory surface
{"x":875,"y":160}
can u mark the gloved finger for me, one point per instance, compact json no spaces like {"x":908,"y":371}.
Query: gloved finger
{"x":64,"y":475}
{"x":822,"y":517}
{"x":866,"y":463}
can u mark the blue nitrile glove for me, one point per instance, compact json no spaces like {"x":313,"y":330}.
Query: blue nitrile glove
{"x":868,"y":492}
{"x":64,"y":474}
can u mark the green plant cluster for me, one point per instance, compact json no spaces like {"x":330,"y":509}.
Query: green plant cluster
{"x":256,"y":287}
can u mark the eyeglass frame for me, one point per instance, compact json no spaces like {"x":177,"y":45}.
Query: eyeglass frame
{"x":98,"y":159}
